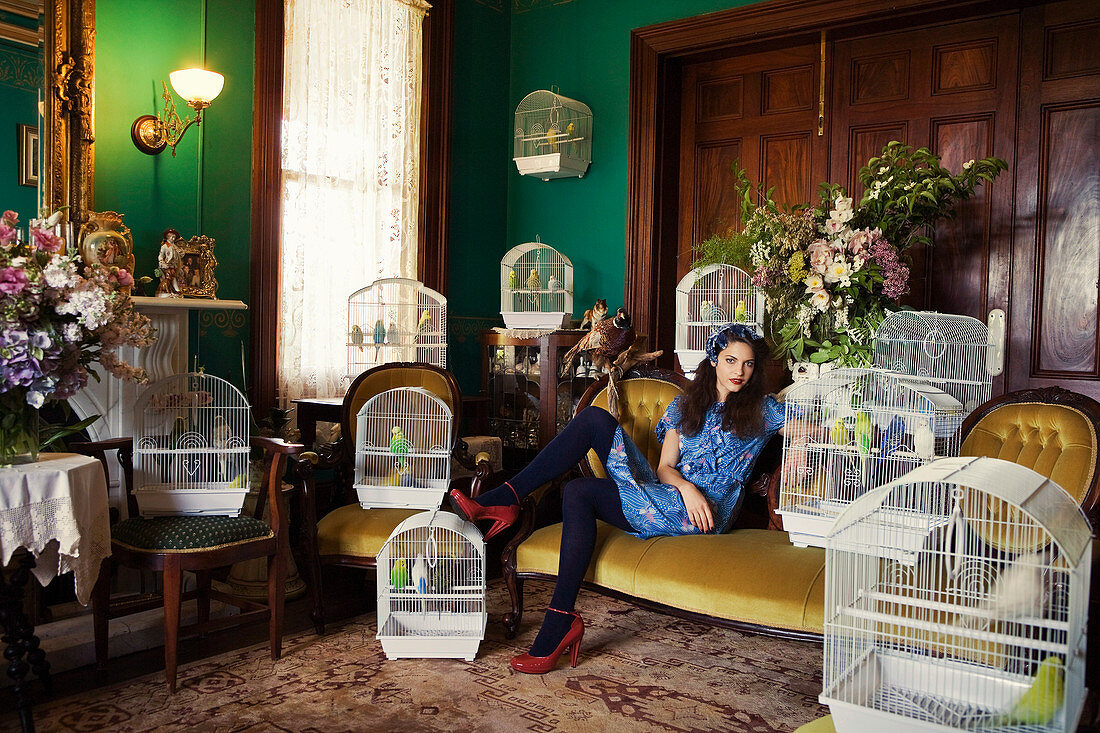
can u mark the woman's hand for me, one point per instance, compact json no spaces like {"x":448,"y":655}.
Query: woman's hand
{"x":697,"y":507}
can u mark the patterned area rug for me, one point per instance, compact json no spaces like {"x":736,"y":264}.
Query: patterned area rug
{"x":638,"y":670}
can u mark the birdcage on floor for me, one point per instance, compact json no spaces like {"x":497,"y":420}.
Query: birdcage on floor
{"x":984,"y":629}
{"x":431,"y":588}
{"x":536,"y":287}
{"x":403,"y":449}
{"x":956,"y":353}
{"x":553,"y":136}
{"x":851,"y":430}
{"x":396,"y":319}
{"x":191,"y":443}
{"x":707,"y":297}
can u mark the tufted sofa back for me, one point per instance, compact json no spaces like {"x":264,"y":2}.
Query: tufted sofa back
{"x":1051,"y":431}
{"x":642,"y":402}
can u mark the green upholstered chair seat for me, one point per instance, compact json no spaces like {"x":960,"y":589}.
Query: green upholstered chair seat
{"x":354,"y":531}
{"x":749,"y":575}
{"x":187,"y":534}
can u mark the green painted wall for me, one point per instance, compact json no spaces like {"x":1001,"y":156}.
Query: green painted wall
{"x":20,"y":79}
{"x":206,"y":187}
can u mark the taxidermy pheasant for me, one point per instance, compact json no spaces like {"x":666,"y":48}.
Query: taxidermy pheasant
{"x":610,"y":346}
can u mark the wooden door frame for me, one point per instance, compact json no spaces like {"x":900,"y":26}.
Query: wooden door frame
{"x":657,"y":54}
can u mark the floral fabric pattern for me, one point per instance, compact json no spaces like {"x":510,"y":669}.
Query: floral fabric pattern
{"x":715,"y":461}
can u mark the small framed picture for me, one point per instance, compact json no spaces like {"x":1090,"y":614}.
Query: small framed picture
{"x":27,"y":145}
{"x":196,"y":268}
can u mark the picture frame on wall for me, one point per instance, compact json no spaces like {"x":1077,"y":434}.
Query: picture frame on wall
{"x":196,"y":271}
{"x":27,"y":147}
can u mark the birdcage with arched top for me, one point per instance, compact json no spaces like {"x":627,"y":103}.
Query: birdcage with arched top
{"x":536,"y":287}
{"x":553,"y":136}
{"x":396,"y":319}
{"x":431,"y":588}
{"x":403,"y":449}
{"x":191,"y":444}
{"x":958,"y":354}
{"x":982,"y":628}
{"x":708,"y":297}
{"x":851,"y":430}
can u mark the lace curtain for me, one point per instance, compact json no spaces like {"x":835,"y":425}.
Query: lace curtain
{"x":350,"y":170}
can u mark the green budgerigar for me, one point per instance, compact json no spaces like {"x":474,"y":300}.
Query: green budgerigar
{"x":740,"y":313}
{"x":864,"y":430}
{"x":1044,"y":698}
{"x":399,"y":448}
{"x":399,"y":575}
{"x":512,"y":282}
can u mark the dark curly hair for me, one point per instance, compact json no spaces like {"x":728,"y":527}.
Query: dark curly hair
{"x":742,"y":412}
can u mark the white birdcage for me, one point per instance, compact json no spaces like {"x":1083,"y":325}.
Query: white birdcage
{"x":707,"y":297}
{"x":553,"y":136}
{"x":536,"y":287}
{"x":954,"y":352}
{"x":403,"y":449}
{"x":851,"y":430}
{"x":984,"y":629}
{"x":396,"y":319}
{"x":191,"y":444}
{"x":431,"y":588}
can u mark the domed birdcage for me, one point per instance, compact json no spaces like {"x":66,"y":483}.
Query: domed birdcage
{"x":553,"y":136}
{"x":536,"y":287}
{"x":707,"y":297}
{"x":957,"y":354}
{"x":191,"y":443}
{"x":431,"y":588}
{"x":396,"y":319}
{"x":851,"y":430}
{"x":403,"y":449}
{"x":982,"y":627}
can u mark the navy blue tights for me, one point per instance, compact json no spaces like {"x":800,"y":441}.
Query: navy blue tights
{"x":584,"y":500}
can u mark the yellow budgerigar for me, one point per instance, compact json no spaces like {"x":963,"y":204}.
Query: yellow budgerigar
{"x":1045,"y":696}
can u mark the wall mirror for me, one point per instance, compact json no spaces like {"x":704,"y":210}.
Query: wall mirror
{"x":53,"y":42}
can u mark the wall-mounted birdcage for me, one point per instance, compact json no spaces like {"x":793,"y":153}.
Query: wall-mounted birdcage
{"x":431,"y":588}
{"x":851,"y":430}
{"x":983,"y":629}
{"x":553,"y":136}
{"x":396,"y":319}
{"x":958,"y":354}
{"x":191,"y":443}
{"x":403,"y":449}
{"x":536,"y":287}
{"x":710,"y":296}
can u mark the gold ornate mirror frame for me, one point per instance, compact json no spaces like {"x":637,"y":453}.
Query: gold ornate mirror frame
{"x":69,"y":113}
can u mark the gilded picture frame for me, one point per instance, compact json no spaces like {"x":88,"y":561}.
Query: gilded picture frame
{"x":197,"y":264}
{"x":27,"y":139}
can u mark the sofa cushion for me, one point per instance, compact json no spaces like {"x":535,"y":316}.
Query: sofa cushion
{"x":357,"y":532}
{"x":749,"y":575}
{"x":187,"y":533}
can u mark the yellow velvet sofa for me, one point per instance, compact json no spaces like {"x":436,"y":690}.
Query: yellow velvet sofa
{"x":752,"y":577}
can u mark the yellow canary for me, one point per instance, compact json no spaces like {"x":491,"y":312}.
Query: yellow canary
{"x":534,"y":282}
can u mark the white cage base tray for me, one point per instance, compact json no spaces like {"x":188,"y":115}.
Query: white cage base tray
{"x":551,"y":165}
{"x":164,"y":501}
{"x":894,"y":534}
{"x":893,"y":691}
{"x":378,"y":496}
{"x":534,"y":319}
{"x":690,"y":359}
{"x":420,"y":636}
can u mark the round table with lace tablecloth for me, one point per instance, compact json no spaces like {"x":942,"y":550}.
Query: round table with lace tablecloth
{"x":53,"y":519}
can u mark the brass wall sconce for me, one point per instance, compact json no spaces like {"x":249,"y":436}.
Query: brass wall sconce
{"x":198,"y":87}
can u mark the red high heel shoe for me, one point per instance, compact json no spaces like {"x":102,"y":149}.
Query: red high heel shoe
{"x":502,"y":517}
{"x":541,"y":665}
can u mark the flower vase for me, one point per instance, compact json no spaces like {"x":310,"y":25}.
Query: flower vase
{"x":19,"y":435}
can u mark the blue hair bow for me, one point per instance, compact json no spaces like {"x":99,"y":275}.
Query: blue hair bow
{"x":720,"y":338}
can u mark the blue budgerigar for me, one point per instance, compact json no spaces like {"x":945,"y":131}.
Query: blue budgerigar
{"x":420,"y":574}
{"x":379,"y":336}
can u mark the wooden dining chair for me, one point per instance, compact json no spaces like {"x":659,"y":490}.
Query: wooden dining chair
{"x":198,"y":544}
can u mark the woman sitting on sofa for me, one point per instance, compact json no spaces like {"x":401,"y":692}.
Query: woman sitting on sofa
{"x":697,"y":487}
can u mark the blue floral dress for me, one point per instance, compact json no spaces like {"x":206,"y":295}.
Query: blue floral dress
{"x":715,"y":461}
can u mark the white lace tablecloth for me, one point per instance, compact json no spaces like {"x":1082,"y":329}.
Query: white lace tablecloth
{"x":57,"y":509}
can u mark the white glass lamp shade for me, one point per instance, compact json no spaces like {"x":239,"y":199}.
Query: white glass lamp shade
{"x":197,"y":85}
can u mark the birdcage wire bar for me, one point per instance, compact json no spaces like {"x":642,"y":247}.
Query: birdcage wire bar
{"x":431,"y":588}
{"x":956,"y":637}
{"x":191,"y":447}
{"x":707,"y":297}
{"x":536,"y":287}
{"x":396,"y":319}
{"x":953,"y":352}
{"x":851,"y":430}
{"x":403,"y":449}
